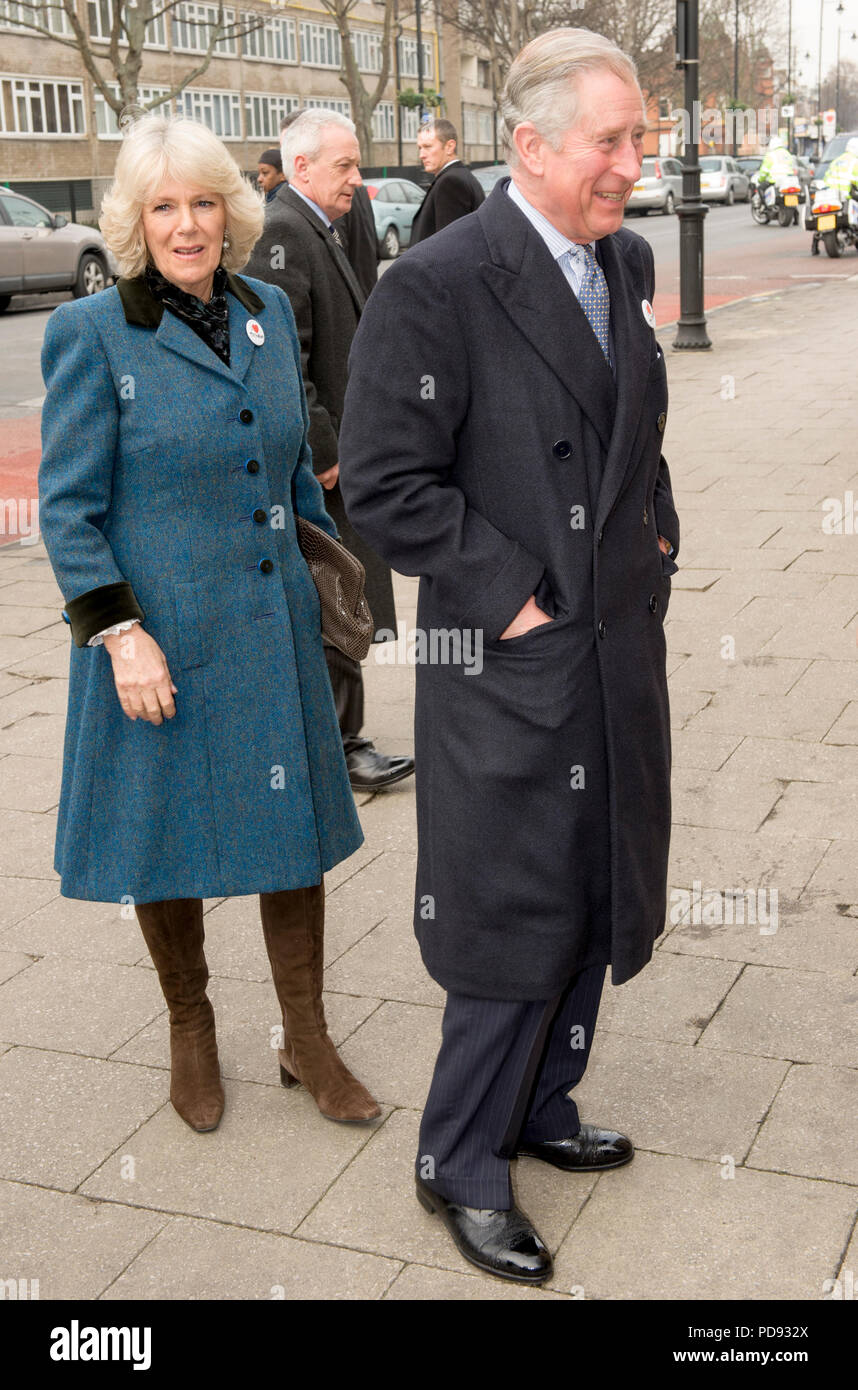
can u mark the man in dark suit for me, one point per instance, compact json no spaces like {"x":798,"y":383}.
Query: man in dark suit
{"x":454,"y":191}
{"x":300,"y":251}
{"x":502,"y":440}
{"x":356,"y":228}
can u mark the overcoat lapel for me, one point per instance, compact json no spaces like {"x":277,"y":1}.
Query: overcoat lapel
{"x":140,"y":307}
{"x":336,"y":253}
{"x":633,"y":348}
{"x":533,"y":291}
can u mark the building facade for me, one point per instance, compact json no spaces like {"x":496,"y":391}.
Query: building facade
{"x":56,"y":126}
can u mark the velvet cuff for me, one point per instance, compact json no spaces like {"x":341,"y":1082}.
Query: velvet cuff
{"x":91,"y":613}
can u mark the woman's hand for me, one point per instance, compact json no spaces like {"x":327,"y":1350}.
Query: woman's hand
{"x":143,"y":681}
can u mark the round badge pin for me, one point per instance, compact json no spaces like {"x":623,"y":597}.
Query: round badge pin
{"x":255,"y":332}
{"x":648,"y":312}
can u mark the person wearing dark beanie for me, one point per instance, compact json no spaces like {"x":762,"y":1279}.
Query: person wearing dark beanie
{"x":270,"y":172}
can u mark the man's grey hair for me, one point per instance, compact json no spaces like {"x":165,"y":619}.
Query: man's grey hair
{"x":542,"y":84}
{"x":305,"y":135}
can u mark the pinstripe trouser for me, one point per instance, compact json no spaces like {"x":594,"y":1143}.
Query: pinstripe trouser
{"x":502,"y":1074}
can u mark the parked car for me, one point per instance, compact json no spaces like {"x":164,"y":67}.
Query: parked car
{"x":42,"y":252}
{"x":750,"y":165}
{"x":722,"y":181}
{"x":394,"y":205}
{"x":489,"y":175}
{"x":659,"y":186}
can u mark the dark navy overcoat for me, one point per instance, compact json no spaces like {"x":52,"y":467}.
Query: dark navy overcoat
{"x":487,"y":448}
{"x":165,"y":489}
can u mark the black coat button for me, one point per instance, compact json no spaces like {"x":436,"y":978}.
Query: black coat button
{"x":562,"y":448}
{"x":252,"y":465}
{"x":602,"y":628}
{"x":600,"y":535}
{"x":661,"y":422}
{"x":245,"y":416}
{"x":260,"y":515}
{"x":653,"y":603}
{"x":266,"y":565}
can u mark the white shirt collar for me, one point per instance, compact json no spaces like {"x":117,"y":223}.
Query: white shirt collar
{"x":315,"y":206}
{"x":557,"y":243}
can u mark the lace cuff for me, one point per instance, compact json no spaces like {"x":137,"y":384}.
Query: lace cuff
{"x":98,"y":639}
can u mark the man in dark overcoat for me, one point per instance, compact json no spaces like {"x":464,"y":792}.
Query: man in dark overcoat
{"x":502,"y":440}
{"x":300,"y":252}
{"x":454,"y":191}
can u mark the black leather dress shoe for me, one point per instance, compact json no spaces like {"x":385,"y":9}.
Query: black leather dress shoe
{"x":588,"y":1150}
{"x":500,"y":1242}
{"x":370,"y":770}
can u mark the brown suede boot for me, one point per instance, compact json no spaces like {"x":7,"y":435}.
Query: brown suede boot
{"x":293,"y":922}
{"x":174,"y":933}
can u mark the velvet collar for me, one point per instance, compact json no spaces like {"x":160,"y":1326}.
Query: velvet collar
{"x":141,"y":307}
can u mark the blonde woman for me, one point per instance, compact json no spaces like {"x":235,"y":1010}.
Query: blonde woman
{"x":203,"y":756}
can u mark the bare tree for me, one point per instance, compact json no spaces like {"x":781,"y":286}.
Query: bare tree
{"x":363,"y":102}
{"x":129,"y":19}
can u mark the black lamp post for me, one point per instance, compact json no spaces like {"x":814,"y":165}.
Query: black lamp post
{"x":691,"y":328}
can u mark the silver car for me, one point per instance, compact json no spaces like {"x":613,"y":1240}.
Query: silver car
{"x":659,"y":187}
{"x":42,"y":252}
{"x":722,"y":181}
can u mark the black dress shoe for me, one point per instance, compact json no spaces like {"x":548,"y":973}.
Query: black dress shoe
{"x":370,"y":770}
{"x":590,"y":1149}
{"x":500,"y":1242}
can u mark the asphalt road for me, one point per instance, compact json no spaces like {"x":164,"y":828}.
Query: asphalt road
{"x":740,"y":260}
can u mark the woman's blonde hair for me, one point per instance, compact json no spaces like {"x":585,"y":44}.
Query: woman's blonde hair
{"x":158,"y":148}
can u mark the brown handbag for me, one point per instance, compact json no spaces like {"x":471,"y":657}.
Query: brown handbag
{"x":339,"y":579}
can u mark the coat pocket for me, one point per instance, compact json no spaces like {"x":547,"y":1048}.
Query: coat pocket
{"x":190,"y":648}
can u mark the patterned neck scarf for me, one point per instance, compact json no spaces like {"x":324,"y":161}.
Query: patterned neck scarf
{"x":209,"y":321}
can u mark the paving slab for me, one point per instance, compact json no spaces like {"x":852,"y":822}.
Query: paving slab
{"x":386,"y":962}
{"x":666,"y":1228}
{"x":51,"y":1005}
{"x":802,"y":1015}
{"x":677,"y":1098}
{"x":811,"y":932}
{"x":812,"y":1127}
{"x":73,"y":929}
{"x":667,"y":1000}
{"x":74,"y":1246}
{"x":422,"y":1284}
{"x":394,"y":1052}
{"x":270,"y":1160}
{"x":12,"y":963}
{"x":19,"y":897}
{"x":63,"y":1115}
{"x":29,"y":784}
{"x":192,"y":1260}
{"x":27,"y":844}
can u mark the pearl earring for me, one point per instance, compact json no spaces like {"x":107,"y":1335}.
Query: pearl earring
{"x":226,"y":241}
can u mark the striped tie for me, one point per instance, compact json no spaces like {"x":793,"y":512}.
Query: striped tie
{"x":595,"y":300}
{"x":337,"y":238}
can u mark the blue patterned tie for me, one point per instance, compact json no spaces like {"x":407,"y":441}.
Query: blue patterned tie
{"x":595,"y":300}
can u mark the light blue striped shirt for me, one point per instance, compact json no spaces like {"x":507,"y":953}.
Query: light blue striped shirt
{"x":569,"y":255}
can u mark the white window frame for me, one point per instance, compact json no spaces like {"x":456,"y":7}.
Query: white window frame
{"x":275,"y":105}
{"x":478,"y":125}
{"x":102,"y":12}
{"x":56,"y":19}
{"x":384,"y":122}
{"x":341,"y":104}
{"x":410,"y":123}
{"x":367,"y":48}
{"x":106,"y":125}
{"x":275,"y":42}
{"x":75,"y":98}
{"x":200,"y":104}
{"x":190,"y":23}
{"x":408,"y":58}
{"x":317,"y":37}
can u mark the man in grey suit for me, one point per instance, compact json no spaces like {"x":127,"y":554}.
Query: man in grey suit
{"x":300,"y":251}
{"x":502,"y":440}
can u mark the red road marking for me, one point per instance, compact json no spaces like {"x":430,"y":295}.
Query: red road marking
{"x":20,"y":452}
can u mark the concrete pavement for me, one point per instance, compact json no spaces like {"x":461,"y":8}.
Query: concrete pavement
{"x":732,"y":1059}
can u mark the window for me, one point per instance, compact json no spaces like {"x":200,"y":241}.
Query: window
{"x":329,"y":104}
{"x":410,"y":123}
{"x":100,"y":14}
{"x":478,"y":125}
{"x":384,"y":121}
{"x":263,"y":114}
{"x":367,"y":49}
{"x":106,"y":126}
{"x":484,"y":73}
{"x":408,"y":58}
{"x":24,"y":214}
{"x":191,"y":26}
{"x":276,"y":42}
{"x":37,"y":12}
{"x":220,"y":111}
{"x":41,"y":106}
{"x":320,"y":45}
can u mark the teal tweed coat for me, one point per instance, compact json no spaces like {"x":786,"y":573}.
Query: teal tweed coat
{"x":166,"y":493}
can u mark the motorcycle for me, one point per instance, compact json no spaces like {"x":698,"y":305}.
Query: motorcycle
{"x":777,"y":201}
{"x":833,"y":220}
